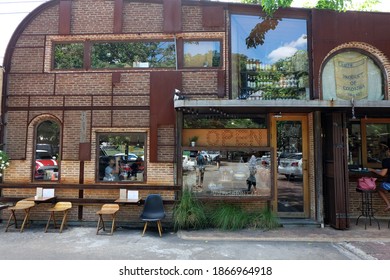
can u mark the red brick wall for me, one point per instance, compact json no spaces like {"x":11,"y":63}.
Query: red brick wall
{"x":92,"y":16}
{"x":86,"y":83}
{"x":44,"y":23}
{"x":31,"y":84}
{"x":133,"y":84}
{"x":15,"y":137}
{"x":34,"y":56}
{"x":142,"y":17}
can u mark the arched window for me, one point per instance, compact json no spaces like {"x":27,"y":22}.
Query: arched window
{"x":47,"y":151}
{"x":352,"y":75}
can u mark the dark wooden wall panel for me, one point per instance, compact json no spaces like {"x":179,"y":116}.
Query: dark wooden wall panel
{"x":85,"y":151}
{"x":221,"y":84}
{"x":331,"y":29}
{"x":65,"y":17}
{"x":172,"y":16}
{"x":213,"y":16}
{"x":162,"y":112}
{"x":118,"y":16}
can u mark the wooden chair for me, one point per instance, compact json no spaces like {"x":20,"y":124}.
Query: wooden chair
{"x":59,"y":207}
{"x":107,"y":209}
{"x":20,"y":205}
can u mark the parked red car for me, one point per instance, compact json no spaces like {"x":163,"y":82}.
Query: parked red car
{"x":44,"y":162}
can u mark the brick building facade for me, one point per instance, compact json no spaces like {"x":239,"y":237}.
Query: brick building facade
{"x":89,"y":101}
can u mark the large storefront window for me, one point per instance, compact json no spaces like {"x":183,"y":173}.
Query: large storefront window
{"x":352,"y":75}
{"x":121,"y":157}
{"x":47,"y":151}
{"x":228,"y":172}
{"x":227,"y":157}
{"x":368,"y":141}
{"x":134,"y":55}
{"x":269,"y":58}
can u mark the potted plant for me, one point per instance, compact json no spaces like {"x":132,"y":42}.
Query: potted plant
{"x":193,"y":140}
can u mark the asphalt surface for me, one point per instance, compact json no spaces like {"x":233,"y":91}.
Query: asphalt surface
{"x":291,"y":243}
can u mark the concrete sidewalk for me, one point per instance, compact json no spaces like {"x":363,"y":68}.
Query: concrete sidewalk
{"x":356,"y":233}
{"x":293,"y":242}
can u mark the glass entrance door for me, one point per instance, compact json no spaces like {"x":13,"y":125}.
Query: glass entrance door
{"x":291,"y":174}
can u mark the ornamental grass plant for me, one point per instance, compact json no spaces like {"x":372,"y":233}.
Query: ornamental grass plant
{"x":229,"y":217}
{"x":189,"y":212}
{"x":264,"y":219}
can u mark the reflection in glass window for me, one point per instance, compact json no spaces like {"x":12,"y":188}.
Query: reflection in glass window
{"x":269,"y":58}
{"x":350,"y":75}
{"x":202,"y":54}
{"x":121,"y":157}
{"x":377,"y":140}
{"x":47,"y":151}
{"x":134,"y":54}
{"x":194,"y":121}
{"x":227,"y":172}
{"x":69,"y":56}
{"x":368,"y":151}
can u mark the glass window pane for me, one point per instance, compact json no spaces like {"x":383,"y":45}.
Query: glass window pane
{"x":47,"y":152}
{"x":121,"y":157}
{"x":227,"y":172}
{"x":69,"y":56}
{"x":134,"y":54}
{"x":202,"y":54}
{"x":378,"y":138}
{"x":269,"y":58}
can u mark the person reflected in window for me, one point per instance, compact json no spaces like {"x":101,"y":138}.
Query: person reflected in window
{"x":111,"y":173}
{"x":385,"y":186}
{"x":200,"y":168}
{"x":135,"y":168}
{"x":251,"y":181}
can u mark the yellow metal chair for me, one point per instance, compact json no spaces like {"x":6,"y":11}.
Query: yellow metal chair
{"x":20,"y":205}
{"x":59,"y":207}
{"x":107,"y":209}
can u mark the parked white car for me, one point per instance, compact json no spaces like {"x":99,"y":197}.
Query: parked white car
{"x":291,"y":165}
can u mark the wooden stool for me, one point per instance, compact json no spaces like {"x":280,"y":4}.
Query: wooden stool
{"x":367,"y":211}
{"x":59,"y":207}
{"x":107,"y":209}
{"x":20,"y":205}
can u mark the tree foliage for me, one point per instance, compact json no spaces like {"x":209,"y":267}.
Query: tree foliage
{"x":269,"y":22}
{"x":270,"y":6}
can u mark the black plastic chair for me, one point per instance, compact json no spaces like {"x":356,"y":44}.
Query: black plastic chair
{"x":153,"y":211}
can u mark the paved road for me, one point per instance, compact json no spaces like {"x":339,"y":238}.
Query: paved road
{"x":81,"y":243}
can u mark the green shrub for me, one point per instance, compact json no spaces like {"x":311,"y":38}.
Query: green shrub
{"x":229,"y":217}
{"x":264,"y":219}
{"x":189,"y":212}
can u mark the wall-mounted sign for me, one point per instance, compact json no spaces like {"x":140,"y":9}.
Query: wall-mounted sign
{"x":226,"y":137}
{"x":351,"y":76}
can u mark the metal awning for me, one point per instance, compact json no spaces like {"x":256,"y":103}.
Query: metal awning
{"x":361,"y":107}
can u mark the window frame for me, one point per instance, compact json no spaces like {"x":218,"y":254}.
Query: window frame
{"x":295,"y":15}
{"x":97,"y":179}
{"x":363,"y":129}
{"x":35,"y":142}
